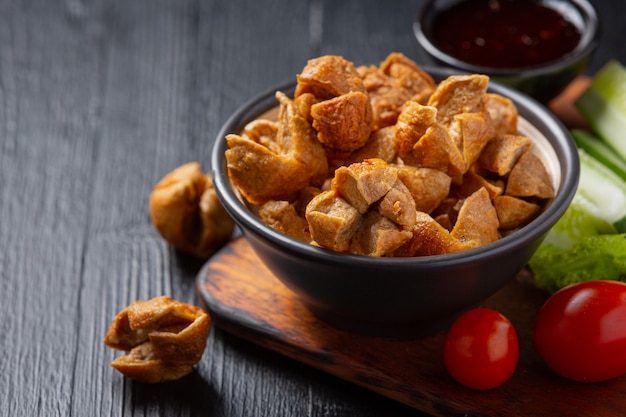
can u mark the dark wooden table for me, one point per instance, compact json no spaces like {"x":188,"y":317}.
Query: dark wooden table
{"x":100,"y":99}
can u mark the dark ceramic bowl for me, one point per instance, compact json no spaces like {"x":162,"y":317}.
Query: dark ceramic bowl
{"x":542,"y":82}
{"x":403,"y":297}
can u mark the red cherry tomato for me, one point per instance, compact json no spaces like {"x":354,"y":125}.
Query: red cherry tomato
{"x":481,"y":349}
{"x":580,"y":332}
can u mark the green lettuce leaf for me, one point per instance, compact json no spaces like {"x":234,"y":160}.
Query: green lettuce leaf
{"x":589,"y":258}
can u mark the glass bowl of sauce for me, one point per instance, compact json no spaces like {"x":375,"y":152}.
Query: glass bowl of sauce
{"x":535,"y":46}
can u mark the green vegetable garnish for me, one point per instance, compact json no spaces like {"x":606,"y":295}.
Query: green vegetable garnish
{"x":601,"y":192}
{"x":590,"y":258}
{"x":589,"y":241}
{"x":586,"y":242}
{"x":576,"y":224}
{"x":603,"y":105}
{"x":597,"y":148}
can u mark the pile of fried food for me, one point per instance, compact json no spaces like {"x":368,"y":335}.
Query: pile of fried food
{"x":383,"y":161}
{"x":163,"y":339}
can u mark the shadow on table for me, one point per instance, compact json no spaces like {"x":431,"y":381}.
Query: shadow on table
{"x":190,"y":395}
{"x":330,"y":396}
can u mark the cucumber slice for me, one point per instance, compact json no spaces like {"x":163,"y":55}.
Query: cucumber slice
{"x":595,"y":147}
{"x":603,"y":105}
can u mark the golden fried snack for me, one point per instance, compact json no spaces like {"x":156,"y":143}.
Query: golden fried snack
{"x":437,"y":150}
{"x":186,"y":212}
{"x":471,"y":132}
{"x":514,"y":212}
{"x":283,"y":217}
{"x":473,"y":182}
{"x":458,"y":94}
{"x":409,"y":76}
{"x":447,"y":212}
{"x":363,"y":183}
{"x":164,"y":339}
{"x":428,"y":187}
{"x":397,"y":81}
{"x":277,"y":170}
{"x":413,"y":121}
{"x":398,"y":205}
{"x":264,"y":132}
{"x":430,"y":238}
{"x":477,"y":221}
{"x":529,"y":178}
{"x":303,"y":104}
{"x":364,"y":212}
{"x":501,"y":154}
{"x":476,"y":225}
{"x":331,"y":95}
{"x":379,"y":236}
{"x":332,"y":221}
{"x":327,"y":77}
{"x":503,"y":114}
{"x":381,"y":144}
{"x":386,"y":99}
{"x":306,"y":195}
{"x":344,"y":122}
{"x":445,"y":220}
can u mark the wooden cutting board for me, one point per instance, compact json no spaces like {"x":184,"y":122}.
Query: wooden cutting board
{"x":245,"y":299}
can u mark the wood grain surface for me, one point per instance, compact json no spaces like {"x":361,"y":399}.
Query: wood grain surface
{"x":245,"y":299}
{"x":99,"y":99}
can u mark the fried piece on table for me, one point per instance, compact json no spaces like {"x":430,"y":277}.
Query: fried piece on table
{"x":164,"y":338}
{"x":185,"y":210}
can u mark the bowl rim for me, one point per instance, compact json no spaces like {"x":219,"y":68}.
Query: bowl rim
{"x":528,"y":107}
{"x":590,"y":38}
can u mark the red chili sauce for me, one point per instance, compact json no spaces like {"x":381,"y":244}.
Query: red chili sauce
{"x":504,"y":33}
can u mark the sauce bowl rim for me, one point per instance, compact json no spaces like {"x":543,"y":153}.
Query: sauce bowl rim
{"x":590,"y":37}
